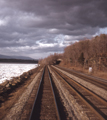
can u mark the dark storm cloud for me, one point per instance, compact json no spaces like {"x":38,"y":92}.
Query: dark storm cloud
{"x":33,"y":27}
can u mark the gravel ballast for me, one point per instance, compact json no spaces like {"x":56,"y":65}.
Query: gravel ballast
{"x":16,"y":110}
{"x":73,"y":109}
{"x":99,"y":91}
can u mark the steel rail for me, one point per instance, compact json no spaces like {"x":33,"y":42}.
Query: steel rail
{"x":33,"y":115}
{"x":78,"y":72}
{"x":54,"y":95}
{"x":97,"y":81}
{"x":32,"y":112}
{"x":86,"y":101}
{"x":88,"y":90}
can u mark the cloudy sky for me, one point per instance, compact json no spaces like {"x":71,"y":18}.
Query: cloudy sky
{"x":37,"y":28}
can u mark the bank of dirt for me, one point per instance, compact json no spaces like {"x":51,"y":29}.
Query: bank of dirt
{"x":10,"y":91}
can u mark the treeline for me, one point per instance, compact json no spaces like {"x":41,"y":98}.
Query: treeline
{"x":52,"y":59}
{"x":17,"y":61}
{"x":85,"y":53}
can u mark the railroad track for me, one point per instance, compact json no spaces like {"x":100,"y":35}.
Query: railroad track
{"x":45,"y":105}
{"x":94,"y":106}
{"x":96,"y":81}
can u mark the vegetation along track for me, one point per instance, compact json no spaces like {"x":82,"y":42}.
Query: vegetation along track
{"x":92,"y":105}
{"x":45,"y":105}
{"x":96,"y":81}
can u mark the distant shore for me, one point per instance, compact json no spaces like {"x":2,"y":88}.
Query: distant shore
{"x":18,"y":61}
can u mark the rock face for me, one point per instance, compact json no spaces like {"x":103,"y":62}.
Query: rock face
{"x":9,"y":85}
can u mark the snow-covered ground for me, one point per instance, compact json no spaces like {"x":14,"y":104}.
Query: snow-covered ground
{"x":7,"y":70}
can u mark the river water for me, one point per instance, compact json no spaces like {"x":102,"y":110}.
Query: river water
{"x":7,"y":70}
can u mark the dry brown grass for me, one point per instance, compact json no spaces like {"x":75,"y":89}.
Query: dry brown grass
{"x":101,"y":74}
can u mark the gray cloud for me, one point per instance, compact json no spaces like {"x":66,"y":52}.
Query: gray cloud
{"x":37,"y":28}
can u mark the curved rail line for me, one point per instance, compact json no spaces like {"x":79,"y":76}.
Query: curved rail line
{"x":45,"y":105}
{"x":93,"y":105}
{"x":94,"y":80}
